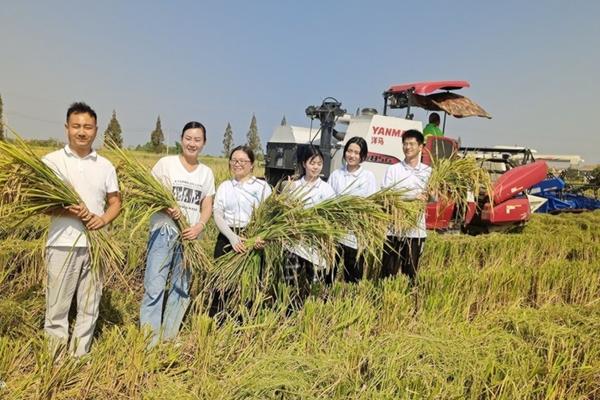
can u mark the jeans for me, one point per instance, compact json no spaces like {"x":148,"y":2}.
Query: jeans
{"x":165,"y":254}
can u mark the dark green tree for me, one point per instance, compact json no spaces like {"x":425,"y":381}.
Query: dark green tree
{"x":283,"y":121}
{"x":1,"y":120}
{"x":253,"y":138}
{"x":227,"y":140}
{"x":157,"y":138}
{"x":595,"y":176}
{"x":113,"y":131}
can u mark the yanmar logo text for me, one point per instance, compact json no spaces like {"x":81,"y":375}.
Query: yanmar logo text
{"x":385,"y":131}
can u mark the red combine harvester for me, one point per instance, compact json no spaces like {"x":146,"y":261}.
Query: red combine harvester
{"x":383,"y":133}
{"x":509,"y":205}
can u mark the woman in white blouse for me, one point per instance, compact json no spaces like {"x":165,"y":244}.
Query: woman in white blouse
{"x":235,"y":200}
{"x":353,"y":179}
{"x":313,"y":190}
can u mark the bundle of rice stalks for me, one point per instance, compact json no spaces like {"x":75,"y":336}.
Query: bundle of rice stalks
{"x":146,"y":195}
{"x":402,"y":213}
{"x":455,"y":179}
{"x":283,"y":223}
{"x":32,"y":229}
{"x":366,"y":219}
{"x":30,"y":188}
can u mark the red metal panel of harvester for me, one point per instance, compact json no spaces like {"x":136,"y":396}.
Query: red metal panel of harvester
{"x":518,"y":179}
{"x":512,"y":210}
{"x":438,"y":215}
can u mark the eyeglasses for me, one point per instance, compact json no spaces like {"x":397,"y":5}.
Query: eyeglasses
{"x":239,"y":162}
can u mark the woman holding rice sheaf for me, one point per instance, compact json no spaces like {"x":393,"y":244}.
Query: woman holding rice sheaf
{"x":313,"y":191}
{"x":193,"y":186}
{"x":235,"y":200}
{"x":353,"y":179}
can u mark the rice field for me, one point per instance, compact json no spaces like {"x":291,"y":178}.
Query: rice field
{"x":501,"y":316}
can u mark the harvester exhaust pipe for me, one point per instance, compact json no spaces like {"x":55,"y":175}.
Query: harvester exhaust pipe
{"x":327,"y":113}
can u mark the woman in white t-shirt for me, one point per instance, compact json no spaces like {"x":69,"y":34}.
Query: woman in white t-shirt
{"x":193,"y":186}
{"x":353,"y":179}
{"x":235,"y":200}
{"x":314,"y":190}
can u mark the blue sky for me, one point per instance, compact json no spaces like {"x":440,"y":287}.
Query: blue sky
{"x":532,"y":65}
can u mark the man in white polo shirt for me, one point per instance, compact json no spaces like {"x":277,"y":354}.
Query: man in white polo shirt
{"x":403,"y":249}
{"x":67,"y":259}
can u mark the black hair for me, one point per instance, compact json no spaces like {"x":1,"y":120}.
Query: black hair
{"x":413,"y":133}
{"x":79,"y":107}
{"x":245,"y":149}
{"x":194,"y":125}
{"x":308,"y":154}
{"x":362,"y":143}
{"x":434,"y":118}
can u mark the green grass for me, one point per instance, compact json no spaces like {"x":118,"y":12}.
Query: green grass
{"x":499,"y":316}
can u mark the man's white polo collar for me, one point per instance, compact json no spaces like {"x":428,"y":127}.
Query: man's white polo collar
{"x":93,"y":155}
{"x":418,"y":167}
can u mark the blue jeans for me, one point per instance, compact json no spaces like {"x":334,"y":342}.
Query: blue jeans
{"x":165,"y":254}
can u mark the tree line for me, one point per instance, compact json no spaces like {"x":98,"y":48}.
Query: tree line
{"x":156,"y":144}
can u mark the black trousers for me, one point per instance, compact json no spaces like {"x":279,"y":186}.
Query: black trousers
{"x":219,"y":298}
{"x":222,"y":246}
{"x":353,"y":265}
{"x":299,"y":273}
{"x":402,"y":254}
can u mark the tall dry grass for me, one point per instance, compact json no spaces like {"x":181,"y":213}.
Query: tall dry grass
{"x":483,"y":322}
{"x":501,"y":316}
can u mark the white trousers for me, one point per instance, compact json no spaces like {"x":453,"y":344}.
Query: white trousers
{"x":69,"y":272}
